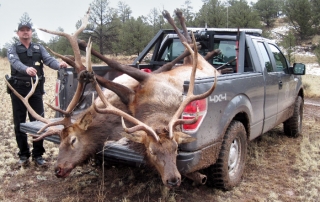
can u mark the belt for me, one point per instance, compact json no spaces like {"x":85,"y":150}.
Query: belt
{"x":22,"y":83}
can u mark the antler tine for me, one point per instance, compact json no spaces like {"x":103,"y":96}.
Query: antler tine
{"x":84,"y":23}
{"x":46,"y":134}
{"x":63,"y":57}
{"x":88,"y":56}
{"x":26,"y":102}
{"x":190,"y":96}
{"x":73,"y":40}
{"x":66,"y":121}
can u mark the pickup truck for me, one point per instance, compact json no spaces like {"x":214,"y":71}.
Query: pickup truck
{"x":260,"y":92}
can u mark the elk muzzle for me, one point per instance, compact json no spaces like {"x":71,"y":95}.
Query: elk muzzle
{"x":173,"y":182}
{"x":62,"y":171}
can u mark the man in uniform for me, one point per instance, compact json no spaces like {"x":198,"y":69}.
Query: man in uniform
{"x":27,"y":59}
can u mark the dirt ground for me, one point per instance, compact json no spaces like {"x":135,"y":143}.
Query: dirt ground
{"x":278,"y":168}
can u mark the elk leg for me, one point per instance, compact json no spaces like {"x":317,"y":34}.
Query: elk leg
{"x":169,"y":65}
{"x":167,"y":16}
{"x":183,"y":25}
{"x":135,"y":73}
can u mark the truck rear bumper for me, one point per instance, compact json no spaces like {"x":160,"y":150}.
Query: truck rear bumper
{"x":188,"y":162}
{"x":119,"y":151}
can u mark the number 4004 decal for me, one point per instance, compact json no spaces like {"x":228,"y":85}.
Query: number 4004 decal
{"x":218,"y":98}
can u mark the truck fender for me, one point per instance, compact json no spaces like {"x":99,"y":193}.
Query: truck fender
{"x":239,"y":108}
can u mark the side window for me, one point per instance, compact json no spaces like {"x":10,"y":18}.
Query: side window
{"x":228,"y":52}
{"x":281,"y":62}
{"x":172,"y":51}
{"x":265,"y":57}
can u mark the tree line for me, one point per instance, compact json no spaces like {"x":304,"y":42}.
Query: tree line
{"x":115,"y":31}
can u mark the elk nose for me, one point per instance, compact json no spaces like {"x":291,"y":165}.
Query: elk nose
{"x":173,"y":182}
{"x":57,"y":171}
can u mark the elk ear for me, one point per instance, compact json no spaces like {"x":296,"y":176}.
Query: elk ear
{"x":138,"y":136}
{"x":183,"y":138}
{"x":85,"y":121}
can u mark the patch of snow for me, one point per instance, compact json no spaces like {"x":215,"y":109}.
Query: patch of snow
{"x":313,"y":69}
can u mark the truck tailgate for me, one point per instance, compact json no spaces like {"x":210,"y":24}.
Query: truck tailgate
{"x":115,"y":151}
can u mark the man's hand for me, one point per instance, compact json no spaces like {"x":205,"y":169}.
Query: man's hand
{"x":63,"y":64}
{"x":31,"y":71}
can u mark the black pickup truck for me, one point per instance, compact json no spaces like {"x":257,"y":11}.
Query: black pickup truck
{"x":261,"y":92}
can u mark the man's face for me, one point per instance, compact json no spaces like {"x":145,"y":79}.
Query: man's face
{"x":24,"y":33}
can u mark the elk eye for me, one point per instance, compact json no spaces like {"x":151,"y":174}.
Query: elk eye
{"x":73,"y":140}
{"x":151,"y":152}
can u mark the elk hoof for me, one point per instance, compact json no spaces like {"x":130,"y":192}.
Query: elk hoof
{"x":178,"y":13}
{"x":166,"y":14}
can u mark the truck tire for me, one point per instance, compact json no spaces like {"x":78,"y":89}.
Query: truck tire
{"x":226,"y":173}
{"x":293,"y":126}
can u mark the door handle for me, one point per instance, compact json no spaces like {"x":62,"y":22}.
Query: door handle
{"x":280,"y":84}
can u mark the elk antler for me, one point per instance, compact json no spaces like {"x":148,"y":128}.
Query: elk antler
{"x":73,"y":41}
{"x":80,"y":68}
{"x":190,"y":96}
{"x":34,"y":114}
{"x":25,"y":99}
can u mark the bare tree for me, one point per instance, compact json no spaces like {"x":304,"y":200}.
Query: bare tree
{"x":103,"y":27}
{"x":124,"y":11}
{"x":187,"y":11}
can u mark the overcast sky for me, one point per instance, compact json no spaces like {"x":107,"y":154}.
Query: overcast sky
{"x":51,"y":14}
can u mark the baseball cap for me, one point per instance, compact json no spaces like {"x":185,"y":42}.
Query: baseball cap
{"x":24,"y":24}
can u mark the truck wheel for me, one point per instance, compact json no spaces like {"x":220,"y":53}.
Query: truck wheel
{"x":228,"y":169}
{"x":293,"y":126}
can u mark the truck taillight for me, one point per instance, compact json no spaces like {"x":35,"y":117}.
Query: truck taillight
{"x":146,"y":70}
{"x":56,"y":96}
{"x":190,"y":112}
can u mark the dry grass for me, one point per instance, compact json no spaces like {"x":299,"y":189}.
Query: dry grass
{"x":278,"y":168}
{"x":305,"y":59}
{"x":311,"y":85}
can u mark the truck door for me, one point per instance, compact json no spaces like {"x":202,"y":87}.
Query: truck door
{"x":287,"y":83}
{"x":271,"y":86}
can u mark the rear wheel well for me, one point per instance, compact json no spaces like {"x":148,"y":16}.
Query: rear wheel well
{"x":244,"y":119}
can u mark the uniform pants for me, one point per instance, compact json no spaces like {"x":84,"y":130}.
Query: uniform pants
{"x":19,"y":116}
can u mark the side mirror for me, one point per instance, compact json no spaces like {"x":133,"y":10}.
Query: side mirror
{"x":299,"y":69}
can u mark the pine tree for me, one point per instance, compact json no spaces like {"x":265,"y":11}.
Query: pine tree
{"x":299,"y":15}
{"x":267,"y":10}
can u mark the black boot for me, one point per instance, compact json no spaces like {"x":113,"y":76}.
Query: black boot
{"x":39,"y":161}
